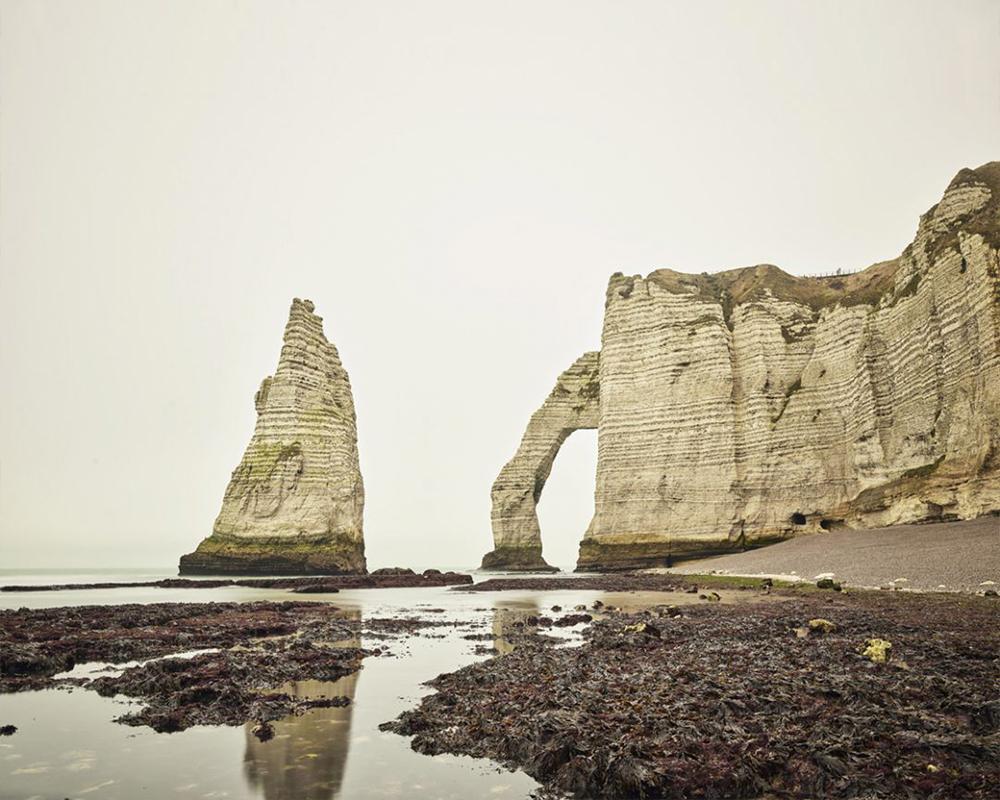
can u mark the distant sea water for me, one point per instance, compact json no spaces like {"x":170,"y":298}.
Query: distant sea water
{"x":40,"y":576}
{"x":35,"y":576}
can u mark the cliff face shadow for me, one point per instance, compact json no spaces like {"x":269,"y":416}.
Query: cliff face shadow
{"x":307,"y":757}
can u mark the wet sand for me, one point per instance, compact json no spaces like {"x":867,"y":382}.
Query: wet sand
{"x":952,"y":556}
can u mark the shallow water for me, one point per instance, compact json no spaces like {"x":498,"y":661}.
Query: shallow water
{"x":68,"y":746}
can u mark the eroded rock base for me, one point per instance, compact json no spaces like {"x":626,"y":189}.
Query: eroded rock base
{"x":597,"y":556}
{"x":233,"y":555}
{"x":517,"y":559}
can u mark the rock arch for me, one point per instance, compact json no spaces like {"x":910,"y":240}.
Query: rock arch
{"x":572,"y":405}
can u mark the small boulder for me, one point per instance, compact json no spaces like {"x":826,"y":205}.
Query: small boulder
{"x":820,"y":625}
{"x":264,"y":731}
{"x":877,"y":650}
{"x":643,"y":628}
{"x":572,"y":619}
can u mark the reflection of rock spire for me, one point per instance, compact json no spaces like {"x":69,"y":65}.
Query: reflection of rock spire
{"x":308,"y":754}
{"x":505,"y":623}
{"x":294,"y":504}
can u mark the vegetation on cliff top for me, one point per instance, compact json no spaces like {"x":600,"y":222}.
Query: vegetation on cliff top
{"x":733,"y":287}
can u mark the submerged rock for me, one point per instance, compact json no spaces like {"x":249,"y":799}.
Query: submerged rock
{"x":264,"y":731}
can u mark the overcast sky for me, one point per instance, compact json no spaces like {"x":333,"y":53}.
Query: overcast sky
{"x":451,"y":183}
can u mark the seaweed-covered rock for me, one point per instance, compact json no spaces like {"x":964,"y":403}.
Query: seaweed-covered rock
{"x":721,"y":702}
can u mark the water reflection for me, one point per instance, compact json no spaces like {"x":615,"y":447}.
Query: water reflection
{"x":509,"y":619}
{"x":308,"y":754}
{"x":308,"y":758}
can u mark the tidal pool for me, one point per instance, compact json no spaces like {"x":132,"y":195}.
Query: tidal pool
{"x":68,"y":746}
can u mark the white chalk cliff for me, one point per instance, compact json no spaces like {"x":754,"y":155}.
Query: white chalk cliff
{"x":295,"y":502}
{"x":748,"y":406}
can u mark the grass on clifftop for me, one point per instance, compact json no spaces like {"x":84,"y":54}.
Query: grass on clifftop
{"x":737,"y":286}
{"x":734,"y":287}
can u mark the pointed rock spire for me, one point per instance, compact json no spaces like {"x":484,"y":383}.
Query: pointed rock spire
{"x":295,"y":502}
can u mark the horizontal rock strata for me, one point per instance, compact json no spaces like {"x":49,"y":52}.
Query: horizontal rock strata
{"x":294,"y":504}
{"x":749,"y":406}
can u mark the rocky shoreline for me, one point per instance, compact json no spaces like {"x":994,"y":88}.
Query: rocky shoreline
{"x":822,"y":695}
{"x":624,"y":582}
{"x":390,"y":578}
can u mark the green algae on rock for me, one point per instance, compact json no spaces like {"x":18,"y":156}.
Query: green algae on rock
{"x":294,"y":504}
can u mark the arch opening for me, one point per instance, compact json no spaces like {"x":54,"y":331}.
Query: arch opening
{"x":566,"y":506}
{"x":572,"y":405}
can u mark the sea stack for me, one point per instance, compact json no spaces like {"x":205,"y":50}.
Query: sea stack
{"x":744,"y":407}
{"x":294,"y":505}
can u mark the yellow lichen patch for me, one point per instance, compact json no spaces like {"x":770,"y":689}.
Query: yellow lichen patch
{"x":820,"y":625}
{"x":877,"y":650}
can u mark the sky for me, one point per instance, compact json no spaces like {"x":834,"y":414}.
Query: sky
{"x":452,"y":184}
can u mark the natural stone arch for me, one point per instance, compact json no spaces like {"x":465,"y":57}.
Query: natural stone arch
{"x":572,"y":405}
